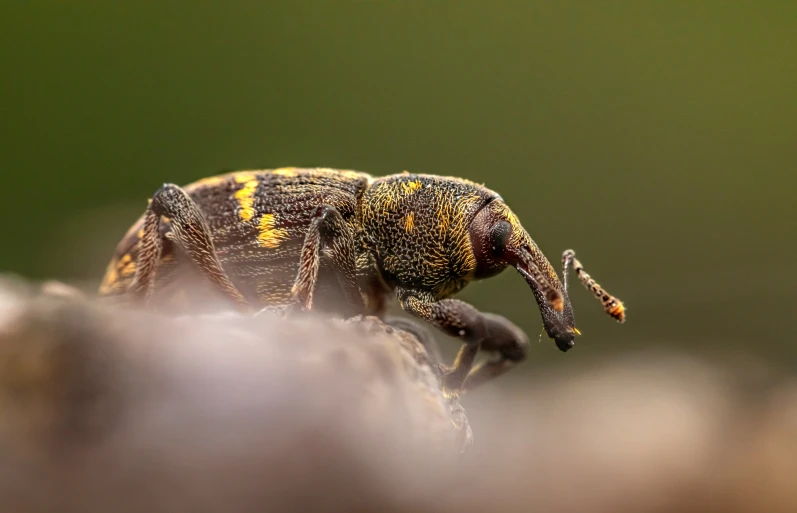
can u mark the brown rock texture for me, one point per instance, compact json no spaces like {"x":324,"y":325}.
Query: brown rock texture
{"x":104,"y":409}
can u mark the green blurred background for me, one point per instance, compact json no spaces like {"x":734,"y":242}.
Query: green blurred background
{"x":658,"y":139}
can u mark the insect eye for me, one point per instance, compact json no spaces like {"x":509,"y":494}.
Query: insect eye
{"x":499,"y":237}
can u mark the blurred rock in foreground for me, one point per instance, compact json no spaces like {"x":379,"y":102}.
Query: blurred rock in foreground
{"x":109,"y":410}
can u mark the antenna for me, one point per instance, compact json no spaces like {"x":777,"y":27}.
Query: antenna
{"x":611,"y":305}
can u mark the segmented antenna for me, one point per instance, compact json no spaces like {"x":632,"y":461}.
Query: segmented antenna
{"x":611,"y":305}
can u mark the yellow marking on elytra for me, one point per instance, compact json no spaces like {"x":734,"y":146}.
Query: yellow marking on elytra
{"x":110,"y":279}
{"x":128,"y":269}
{"x":285,"y":171}
{"x":140,"y":233}
{"x":210,"y":181}
{"x":409,"y":221}
{"x":269,"y":236}
{"x":410,"y":187}
{"x":244,"y":177}
{"x":122,"y":268}
{"x":246,"y":195}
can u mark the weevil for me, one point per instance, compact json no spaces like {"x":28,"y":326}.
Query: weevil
{"x":345,"y":242}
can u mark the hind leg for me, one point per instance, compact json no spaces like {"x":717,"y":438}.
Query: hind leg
{"x":190,"y":232}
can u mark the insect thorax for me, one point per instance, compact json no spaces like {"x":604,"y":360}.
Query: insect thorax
{"x":419,"y":228}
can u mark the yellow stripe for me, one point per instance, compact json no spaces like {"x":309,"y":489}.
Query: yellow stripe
{"x":285,"y":171}
{"x":246,"y":195}
{"x":270,"y":237}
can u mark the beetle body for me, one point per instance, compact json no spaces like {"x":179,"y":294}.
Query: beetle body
{"x":337,"y":241}
{"x":258,"y":221}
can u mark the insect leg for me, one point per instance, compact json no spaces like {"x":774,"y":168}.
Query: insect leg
{"x":328,"y":231}
{"x":148,"y":257}
{"x":190,"y":232}
{"x":504,"y":338}
{"x":455,"y":318}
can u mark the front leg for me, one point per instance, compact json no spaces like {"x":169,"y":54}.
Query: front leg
{"x":476,"y":329}
{"x":508,"y":341}
{"x":455,"y":318}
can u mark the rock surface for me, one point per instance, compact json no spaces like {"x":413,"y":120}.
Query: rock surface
{"x":107,"y":410}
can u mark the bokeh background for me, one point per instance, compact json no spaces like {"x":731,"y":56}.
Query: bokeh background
{"x":657,"y":139}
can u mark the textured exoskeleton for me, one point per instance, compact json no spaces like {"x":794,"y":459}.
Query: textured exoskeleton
{"x":344,"y":242}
